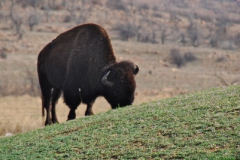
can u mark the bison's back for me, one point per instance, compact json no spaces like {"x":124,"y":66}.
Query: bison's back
{"x":77,"y":53}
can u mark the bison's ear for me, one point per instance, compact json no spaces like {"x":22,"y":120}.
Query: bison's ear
{"x":135,"y":70}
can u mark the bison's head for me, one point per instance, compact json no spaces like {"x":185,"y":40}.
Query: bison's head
{"x":119,"y":83}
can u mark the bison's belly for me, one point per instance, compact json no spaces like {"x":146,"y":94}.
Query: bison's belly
{"x":56,"y":77}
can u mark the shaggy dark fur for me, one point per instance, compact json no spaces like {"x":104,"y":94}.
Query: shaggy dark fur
{"x":79,"y":59}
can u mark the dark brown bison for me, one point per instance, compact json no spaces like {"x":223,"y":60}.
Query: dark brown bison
{"x":81,"y":64}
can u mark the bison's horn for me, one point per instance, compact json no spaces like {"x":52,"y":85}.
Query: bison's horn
{"x":105,"y":81}
{"x":136,"y":69}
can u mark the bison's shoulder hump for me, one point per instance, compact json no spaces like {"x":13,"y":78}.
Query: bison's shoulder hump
{"x":89,"y":30}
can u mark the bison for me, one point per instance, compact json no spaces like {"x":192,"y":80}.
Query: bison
{"x":81,"y":63}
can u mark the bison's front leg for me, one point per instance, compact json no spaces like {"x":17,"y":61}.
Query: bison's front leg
{"x":48,"y":118}
{"x":72,"y":114}
{"x":89,"y":111}
{"x":72,"y":99}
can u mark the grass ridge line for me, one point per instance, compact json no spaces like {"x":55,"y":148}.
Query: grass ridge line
{"x":201,"y":125}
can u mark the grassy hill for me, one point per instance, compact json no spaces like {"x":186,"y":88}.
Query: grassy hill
{"x":199,"y":125}
{"x":180,"y":46}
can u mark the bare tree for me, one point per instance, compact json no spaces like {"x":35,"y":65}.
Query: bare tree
{"x":26,"y":3}
{"x":71,"y":8}
{"x":126,"y":31}
{"x":237,"y":40}
{"x":47,"y":10}
{"x":193,"y":34}
{"x":217,"y":36}
{"x":1,"y":3}
{"x":84,"y":7}
{"x":183,"y":39}
{"x":222,"y":24}
{"x":144,"y":9}
{"x":164,"y":34}
{"x":214,"y":41}
{"x":33,"y":20}
{"x":17,"y":21}
{"x":96,"y":2}
{"x":116,"y":4}
{"x":153,"y":37}
{"x":3,"y":54}
{"x":85,"y":10}
{"x":210,"y":27}
{"x":131,"y":27}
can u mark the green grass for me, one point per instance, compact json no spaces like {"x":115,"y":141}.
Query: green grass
{"x":203,"y":125}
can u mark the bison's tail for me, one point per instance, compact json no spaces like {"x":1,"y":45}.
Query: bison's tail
{"x":43,"y":113}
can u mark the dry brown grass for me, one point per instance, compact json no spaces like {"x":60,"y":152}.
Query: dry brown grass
{"x":19,"y":114}
{"x":23,"y":113}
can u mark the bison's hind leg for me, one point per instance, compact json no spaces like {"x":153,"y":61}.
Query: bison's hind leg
{"x":56,"y":93}
{"x":46,"y":88}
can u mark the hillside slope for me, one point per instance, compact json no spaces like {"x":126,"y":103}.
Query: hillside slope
{"x":198,"y":125}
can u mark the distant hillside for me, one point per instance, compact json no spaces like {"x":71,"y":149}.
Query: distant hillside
{"x":214,"y":24}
